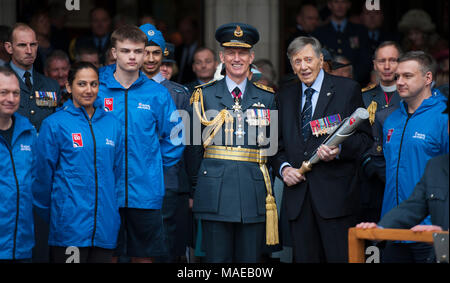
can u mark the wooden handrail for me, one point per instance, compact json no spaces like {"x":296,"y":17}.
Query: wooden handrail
{"x":357,"y":236}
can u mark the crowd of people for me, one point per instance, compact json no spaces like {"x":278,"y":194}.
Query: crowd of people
{"x":135,"y":149}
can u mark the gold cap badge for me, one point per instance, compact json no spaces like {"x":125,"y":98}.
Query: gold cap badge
{"x":238,"y":32}
{"x":166,"y":52}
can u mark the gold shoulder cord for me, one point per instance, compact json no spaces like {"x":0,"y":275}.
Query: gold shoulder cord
{"x":372,"y":109}
{"x":216,"y":124}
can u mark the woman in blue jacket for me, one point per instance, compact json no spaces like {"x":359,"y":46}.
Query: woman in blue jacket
{"x":17,"y":138}
{"x":78,"y":164}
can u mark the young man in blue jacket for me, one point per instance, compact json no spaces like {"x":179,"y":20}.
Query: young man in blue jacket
{"x":412,"y":135}
{"x":17,"y":138}
{"x":152,"y":127}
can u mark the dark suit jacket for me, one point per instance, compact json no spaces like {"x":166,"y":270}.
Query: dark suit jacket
{"x":333,"y":185}
{"x":231,"y":191}
{"x":430,"y":197}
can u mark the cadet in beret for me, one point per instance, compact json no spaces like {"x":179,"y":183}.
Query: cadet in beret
{"x":177,"y":188}
{"x":233,"y":186}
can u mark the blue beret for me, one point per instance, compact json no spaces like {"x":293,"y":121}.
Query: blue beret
{"x":237,"y":35}
{"x":154,"y":35}
{"x":169,"y":53}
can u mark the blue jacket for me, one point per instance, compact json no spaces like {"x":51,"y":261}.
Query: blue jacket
{"x":16,"y":206}
{"x":78,"y":164}
{"x":408,"y":145}
{"x":150,"y":122}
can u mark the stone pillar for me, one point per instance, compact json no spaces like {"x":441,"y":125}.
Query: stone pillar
{"x":262,"y":14}
{"x":8,"y":12}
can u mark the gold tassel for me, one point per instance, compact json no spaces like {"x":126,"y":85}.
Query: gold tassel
{"x":271,"y":221}
{"x":372,"y":109}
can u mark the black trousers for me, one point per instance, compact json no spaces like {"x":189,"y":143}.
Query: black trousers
{"x":316,"y":239}
{"x":226,"y":242}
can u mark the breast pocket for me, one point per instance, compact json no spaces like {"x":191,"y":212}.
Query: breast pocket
{"x":209,"y":186}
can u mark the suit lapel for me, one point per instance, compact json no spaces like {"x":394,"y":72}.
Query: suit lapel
{"x":250,"y":97}
{"x":325,"y":96}
{"x":224,"y":95}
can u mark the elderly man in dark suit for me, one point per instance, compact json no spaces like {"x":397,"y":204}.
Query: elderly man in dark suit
{"x":320,"y":205}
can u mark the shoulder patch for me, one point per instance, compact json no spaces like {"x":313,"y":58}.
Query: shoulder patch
{"x":207,"y":84}
{"x":369,"y":87}
{"x":263,"y":87}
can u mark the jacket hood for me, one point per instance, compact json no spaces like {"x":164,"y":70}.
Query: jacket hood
{"x":107,"y":78}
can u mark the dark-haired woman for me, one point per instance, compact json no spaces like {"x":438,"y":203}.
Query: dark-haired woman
{"x":79,"y":160}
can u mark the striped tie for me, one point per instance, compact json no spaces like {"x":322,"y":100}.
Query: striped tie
{"x":307,"y":114}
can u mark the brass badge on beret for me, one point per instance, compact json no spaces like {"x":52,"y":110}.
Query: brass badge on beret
{"x":238,"y":32}
{"x":166,"y":52}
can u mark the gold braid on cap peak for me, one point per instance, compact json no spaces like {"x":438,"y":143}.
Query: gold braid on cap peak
{"x":372,"y":109}
{"x":216,"y":124}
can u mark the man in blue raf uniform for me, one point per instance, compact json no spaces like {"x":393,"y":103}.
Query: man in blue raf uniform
{"x":38,"y":94}
{"x":177,"y":188}
{"x":233,"y":188}
{"x":381,"y":100}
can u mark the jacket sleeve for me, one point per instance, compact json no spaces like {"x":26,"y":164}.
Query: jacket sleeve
{"x":46,"y":159}
{"x":171,"y":131}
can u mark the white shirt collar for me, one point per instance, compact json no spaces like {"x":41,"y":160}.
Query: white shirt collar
{"x":391,"y":88}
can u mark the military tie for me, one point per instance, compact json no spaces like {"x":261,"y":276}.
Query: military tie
{"x":237,"y":94}
{"x":27,"y":77}
{"x":307,"y":114}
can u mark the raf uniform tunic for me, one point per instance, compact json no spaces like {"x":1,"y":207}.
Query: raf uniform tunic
{"x":233,"y":191}
{"x":28,"y":107}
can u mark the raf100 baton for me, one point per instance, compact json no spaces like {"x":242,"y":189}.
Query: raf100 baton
{"x":345,"y":129}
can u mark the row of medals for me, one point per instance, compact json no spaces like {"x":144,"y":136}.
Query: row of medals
{"x":252,"y":120}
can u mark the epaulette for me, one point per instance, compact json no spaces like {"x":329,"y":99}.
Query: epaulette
{"x":264,"y":87}
{"x":369,"y":87}
{"x":207,"y":84}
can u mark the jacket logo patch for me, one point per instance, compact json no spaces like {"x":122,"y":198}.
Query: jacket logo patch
{"x":143,"y":106}
{"x":110,"y":142}
{"x":389,"y":135}
{"x":109,"y":104}
{"x":25,"y":147}
{"x":77,"y":140}
{"x":419,"y":136}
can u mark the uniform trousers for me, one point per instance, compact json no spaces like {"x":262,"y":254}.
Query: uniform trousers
{"x":228,"y":242}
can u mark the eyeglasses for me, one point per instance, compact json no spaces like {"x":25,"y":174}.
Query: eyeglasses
{"x":383,"y":61}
